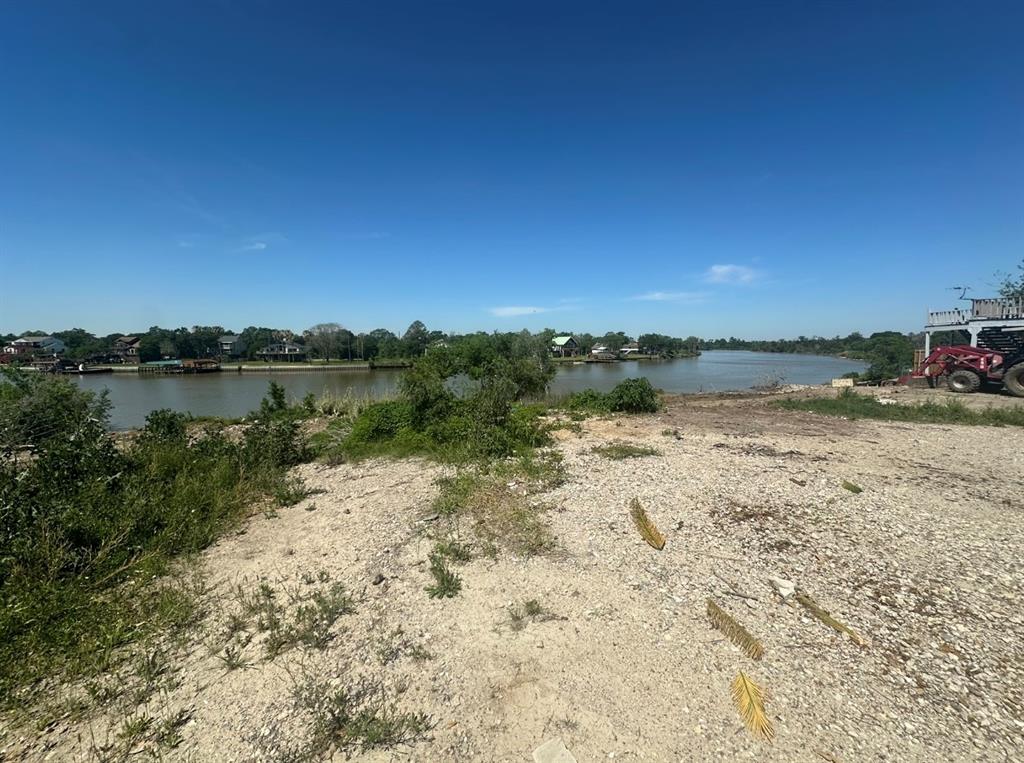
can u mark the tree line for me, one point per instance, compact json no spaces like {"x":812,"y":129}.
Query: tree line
{"x":332,"y":341}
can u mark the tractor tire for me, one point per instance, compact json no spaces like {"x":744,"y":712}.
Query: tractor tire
{"x":1013,"y":380}
{"x":963,"y":380}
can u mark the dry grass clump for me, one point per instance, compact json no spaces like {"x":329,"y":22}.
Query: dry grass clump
{"x":618,"y":451}
{"x":507,"y":519}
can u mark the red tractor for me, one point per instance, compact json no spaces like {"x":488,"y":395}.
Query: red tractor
{"x":966,"y":368}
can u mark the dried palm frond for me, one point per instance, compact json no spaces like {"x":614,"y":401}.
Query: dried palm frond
{"x":647,"y":528}
{"x":749,"y":700}
{"x":812,"y":606}
{"x":735,"y":632}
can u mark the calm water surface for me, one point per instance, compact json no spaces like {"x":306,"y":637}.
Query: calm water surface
{"x":234,"y":394}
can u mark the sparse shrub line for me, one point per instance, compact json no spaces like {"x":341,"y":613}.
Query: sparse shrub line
{"x":852,"y":405}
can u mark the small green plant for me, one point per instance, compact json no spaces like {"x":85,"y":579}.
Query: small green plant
{"x":168,"y":734}
{"x":455,"y":492}
{"x":290,"y":491}
{"x":446,"y":583}
{"x":359,"y":717}
{"x":232,"y":657}
{"x":310,"y":624}
{"x":315,"y":618}
{"x":618,"y":451}
{"x":453,"y":550}
{"x":521,"y":615}
{"x":135,"y":726}
{"x":393,"y":646}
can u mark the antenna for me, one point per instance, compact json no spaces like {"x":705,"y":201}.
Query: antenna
{"x":962,"y":289}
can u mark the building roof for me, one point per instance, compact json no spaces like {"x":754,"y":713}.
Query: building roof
{"x":229,"y":338}
{"x":561,"y":340}
{"x":128,"y":339}
{"x":34,"y":339}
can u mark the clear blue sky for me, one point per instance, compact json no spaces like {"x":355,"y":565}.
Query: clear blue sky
{"x":756,"y":169}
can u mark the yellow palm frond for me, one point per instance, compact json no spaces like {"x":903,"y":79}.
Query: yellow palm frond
{"x":735,"y":632}
{"x":812,"y":606}
{"x":749,"y":700}
{"x":647,"y":528}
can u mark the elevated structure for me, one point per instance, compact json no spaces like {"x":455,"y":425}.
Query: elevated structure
{"x":996,"y":324}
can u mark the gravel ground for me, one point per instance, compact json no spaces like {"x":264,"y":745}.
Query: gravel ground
{"x":925,"y":563}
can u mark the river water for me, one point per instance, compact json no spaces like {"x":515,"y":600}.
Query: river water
{"x":233,"y":394}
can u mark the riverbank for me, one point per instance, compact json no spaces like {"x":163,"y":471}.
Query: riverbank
{"x":233,"y":395}
{"x":601,"y":641}
{"x":249,"y":367}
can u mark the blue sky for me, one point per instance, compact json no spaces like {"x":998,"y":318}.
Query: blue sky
{"x":752,"y":169}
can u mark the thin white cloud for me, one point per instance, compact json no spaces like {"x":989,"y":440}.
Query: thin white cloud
{"x":672,"y":296}
{"x":511,"y":311}
{"x":186,"y":244}
{"x":262,"y":241}
{"x":731,"y":274}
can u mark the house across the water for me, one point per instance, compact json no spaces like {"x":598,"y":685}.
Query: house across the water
{"x":231,"y":345}
{"x":565,"y":346}
{"x":127,"y":348}
{"x":34,"y":346}
{"x":287,"y":352}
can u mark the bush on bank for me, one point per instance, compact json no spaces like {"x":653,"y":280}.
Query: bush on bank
{"x":86,"y":524}
{"x":629,"y":396}
{"x":452,"y":406}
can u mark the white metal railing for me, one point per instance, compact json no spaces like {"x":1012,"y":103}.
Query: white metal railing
{"x":948,"y":317}
{"x":998,"y":308}
{"x":980,"y":310}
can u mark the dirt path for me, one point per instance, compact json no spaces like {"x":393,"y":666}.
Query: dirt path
{"x":620,"y":662}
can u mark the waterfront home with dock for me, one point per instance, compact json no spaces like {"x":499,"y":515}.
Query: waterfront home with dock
{"x":565,"y":346}
{"x":174,"y":366}
{"x":286,"y":352}
{"x":127,"y":348}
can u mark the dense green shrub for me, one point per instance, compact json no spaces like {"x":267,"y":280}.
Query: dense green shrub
{"x":382,"y":421}
{"x":453,"y":406}
{"x":634,"y":396}
{"x":628,"y":396}
{"x":87,"y":526}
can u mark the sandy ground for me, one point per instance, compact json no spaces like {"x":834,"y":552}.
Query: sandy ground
{"x":925,"y":563}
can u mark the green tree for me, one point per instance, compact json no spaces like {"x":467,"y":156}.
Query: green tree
{"x":1012,"y":287}
{"x":326,"y":340}
{"x":416,"y":339}
{"x":78,"y":343}
{"x":890,"y":355}
{"x":615,"y":340}
{"x":149,"y":348}
{"x":205,"y":340}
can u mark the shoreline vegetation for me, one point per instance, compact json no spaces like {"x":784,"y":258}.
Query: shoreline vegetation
{"x":95,"y":526}
{"x":330,"y":345}
{"x":98,"y":581}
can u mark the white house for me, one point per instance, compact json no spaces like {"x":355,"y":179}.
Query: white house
{"x":35,"y":345}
